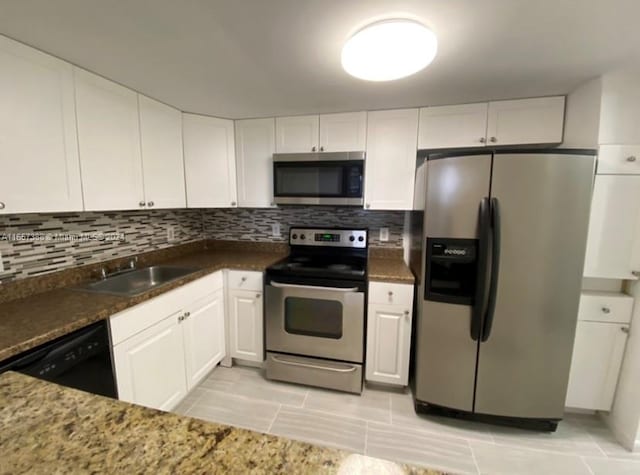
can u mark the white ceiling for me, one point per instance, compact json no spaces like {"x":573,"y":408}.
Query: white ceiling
{"x":252,"y":58}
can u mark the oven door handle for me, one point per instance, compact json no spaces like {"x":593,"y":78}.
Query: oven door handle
{"x":312,"y":287}
{"x":313,"y":366}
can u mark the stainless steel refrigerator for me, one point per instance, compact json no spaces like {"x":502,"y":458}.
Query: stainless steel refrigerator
{"x":503,"y":250}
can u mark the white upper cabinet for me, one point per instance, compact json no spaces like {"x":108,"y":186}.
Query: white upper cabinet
{"x":162,"y":160}
{"x":109,"y":139}
{"x":345,"y":132}
{"x":392,"y":137}
{"x":38,"y":142}
{"x":209,"y":162}
{"x":526,"y":121}
{"x":613,"y":227}
{"x":453,"y":126}
{"x":297,"y":134}
{"x":255,"y":146}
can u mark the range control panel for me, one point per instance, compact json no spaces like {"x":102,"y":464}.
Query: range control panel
{"x":355,"y":238}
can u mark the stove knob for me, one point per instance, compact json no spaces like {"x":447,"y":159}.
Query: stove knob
{"x":360,"y":238}
{"x":302,"y":236}
{"x":295,"y":236}
{"x":352,"y":238}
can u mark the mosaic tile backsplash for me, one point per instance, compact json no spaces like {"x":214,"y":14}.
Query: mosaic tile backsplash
{"x":36,"y":244}
{"x":256,"y":224}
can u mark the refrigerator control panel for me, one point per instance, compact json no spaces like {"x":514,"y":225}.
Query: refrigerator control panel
{"x":451,"y":270}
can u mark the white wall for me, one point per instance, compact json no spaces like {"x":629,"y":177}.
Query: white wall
{"x":620,"y":109}
{"x":582,"y":116}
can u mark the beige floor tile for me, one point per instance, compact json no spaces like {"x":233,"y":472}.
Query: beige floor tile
{"x":605,"y":466}
{"x":419,"y":448}
{"x":320,"y":428}
{"x":500,"y":459}
{"x":372,"y":405}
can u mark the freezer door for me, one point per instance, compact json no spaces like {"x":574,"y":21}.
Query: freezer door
{"x":445,"y":352}
{"x":543,"y":202}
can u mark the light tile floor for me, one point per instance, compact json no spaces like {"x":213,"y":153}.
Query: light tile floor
{"x":383,"y":424}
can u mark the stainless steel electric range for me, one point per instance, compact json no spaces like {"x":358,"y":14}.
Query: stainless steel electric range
{"x":315,"y":309}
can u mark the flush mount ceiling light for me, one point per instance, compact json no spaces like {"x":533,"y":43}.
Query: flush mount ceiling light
{"x":389,"y":49}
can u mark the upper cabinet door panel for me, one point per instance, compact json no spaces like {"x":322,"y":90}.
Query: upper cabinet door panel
{"x":391,"y":159}
{"x":343,"y":132}
{"x":453,"y":126}
{"x":526,"y":121}
{"x":209,"y":161}
{"x":297,"y":134}
{"x":109,"y":138}
{"x":38,"y":142}
{"x":162,"y":160}
{"x":255,"y":145}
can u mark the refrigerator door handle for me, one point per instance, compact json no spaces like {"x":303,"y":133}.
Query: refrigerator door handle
{"x":495,"y":269}
{"x":480,"y":298}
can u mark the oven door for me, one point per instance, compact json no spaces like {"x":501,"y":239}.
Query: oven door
{"x":298,"y":180}
{"x":326,"y":322}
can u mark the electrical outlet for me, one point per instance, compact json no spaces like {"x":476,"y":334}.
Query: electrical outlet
{"x":384,"y":234}
{"x":275,"y":230}
{"x":171,"y":233}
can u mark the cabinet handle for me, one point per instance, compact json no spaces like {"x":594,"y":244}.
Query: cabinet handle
{"x":313,"y":149}
{"x":635,"y":273}
{"x":632,"y":158}
{"x":606,"y":310}
{"x":390,"y":293}
{"x":1,"y":205}
{"x":243,"y":279}
{"x":186,"y":314}
{"x":493,"y":139}
{"x":233,"y":203}
{"x":141,"y":204}
{"x":180,"y":318}
{"x":406,"y":314}
{"x":258,"y":296}
{"x":322,"y":149}
{"x":624,"y":330}
{"x":483,"y":140}
{"x":150,"y":204}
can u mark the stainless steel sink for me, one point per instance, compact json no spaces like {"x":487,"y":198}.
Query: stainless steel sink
{"x":138,"y":281}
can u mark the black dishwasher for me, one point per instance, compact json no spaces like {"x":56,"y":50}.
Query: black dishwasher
{"x":80,"y":360}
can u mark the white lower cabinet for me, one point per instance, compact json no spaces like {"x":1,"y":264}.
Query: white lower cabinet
{"x":246,"y":323}
{"x":150,"y":368}
{"x":601,"y":336}
{"x":164,"y":347}
{"x":203,"y":328}
{"x":389,"y":333}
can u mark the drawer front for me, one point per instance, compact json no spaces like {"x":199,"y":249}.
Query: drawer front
{"x":611,"y":308}
{"x":244,"y":280}
{"x":619,"y":159}
{"x":391,"y":294}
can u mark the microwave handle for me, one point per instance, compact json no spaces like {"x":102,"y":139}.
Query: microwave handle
{"x":312,"y":287}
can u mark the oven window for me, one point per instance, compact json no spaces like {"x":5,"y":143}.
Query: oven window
{"x":309,"y":180}
{"x":313,"y":317}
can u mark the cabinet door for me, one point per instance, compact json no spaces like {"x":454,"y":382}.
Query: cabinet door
{"x":453,"y":126}
{"x":109,"y":139}
{"x":391,"y":159}
{"x":150,"y":366}
{"x":343,"y":132}
{"x":595,"y":365}
{"x":388,"y":344}
{"x":209,"y":162}
{"x":204,"y":336}
{"x":255,"y":145}
{"x":38,"y":142}
{"x":526,"y":121}
{"x":162,"y":160}
{"x":245,"y":319}
{"x":297,"y":134}
{"x":615,"y":210}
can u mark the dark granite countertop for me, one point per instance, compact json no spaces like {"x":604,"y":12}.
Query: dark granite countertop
{"x":387,"y":265}
{"x":46,"y":428}
{"x":41,"y":315}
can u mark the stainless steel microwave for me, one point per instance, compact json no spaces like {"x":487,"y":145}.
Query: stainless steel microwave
{"x":327,"y":178}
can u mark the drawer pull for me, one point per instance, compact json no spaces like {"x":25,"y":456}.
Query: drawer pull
{"x":624,"y":330}
{"x":632,"y":158}
{"x":313,"y":366}
{"x":606,"y":310}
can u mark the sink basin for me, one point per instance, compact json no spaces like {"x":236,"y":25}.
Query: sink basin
{"x":138,"y":281}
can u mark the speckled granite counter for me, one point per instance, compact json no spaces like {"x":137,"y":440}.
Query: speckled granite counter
{"x":46,"y":428}
{"x":387,"y":265}
{"x":42,"y":316}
